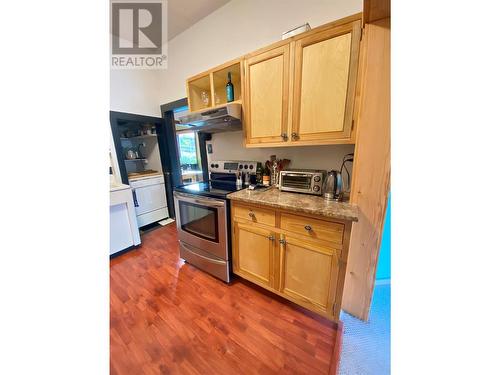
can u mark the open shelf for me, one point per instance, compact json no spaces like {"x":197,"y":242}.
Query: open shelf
{"x":200,"y":93}
{"x":212,"y":85}
{"x":220,"y":81}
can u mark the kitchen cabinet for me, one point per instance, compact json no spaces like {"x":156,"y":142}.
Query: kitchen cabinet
{"x":297,"y":256}
{"x":267,"y":80}
{"x":296,"y":92}
{"x":308,"y":272}
{"x":253,"y":253}
{"x":325,"y":73}
{"x":302,"y":91}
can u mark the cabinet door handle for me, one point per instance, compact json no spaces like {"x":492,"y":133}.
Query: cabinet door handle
{"x":136,"y":204}
{"x":251,"y":214}
{"x":308,"y":228}
{"x":283,"y":242}
{"x":295,"y":135}
{"x":284,"y":136}
{"x":271,"y":238}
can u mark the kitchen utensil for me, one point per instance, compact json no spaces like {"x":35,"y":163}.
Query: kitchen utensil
{"x":275,"y":166}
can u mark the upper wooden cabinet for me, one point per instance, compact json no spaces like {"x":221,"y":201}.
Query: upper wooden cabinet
{"x":267,"y":79}
{"x":302,"y":91}
{"x":207,"y":90}
{"x":324,"y":84}
{"x":299,"y":91}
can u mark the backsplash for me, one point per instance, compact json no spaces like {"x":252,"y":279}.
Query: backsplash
{"x":229,"y":146}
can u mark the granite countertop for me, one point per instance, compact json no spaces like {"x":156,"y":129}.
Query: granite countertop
{"x":297,"y":202}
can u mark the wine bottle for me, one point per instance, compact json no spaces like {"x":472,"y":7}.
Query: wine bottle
{"x":229,"y":88}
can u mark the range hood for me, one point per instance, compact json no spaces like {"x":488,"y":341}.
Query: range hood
{"x":226,"y":118}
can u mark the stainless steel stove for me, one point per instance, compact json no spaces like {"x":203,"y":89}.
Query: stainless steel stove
{"x":202,"y":216}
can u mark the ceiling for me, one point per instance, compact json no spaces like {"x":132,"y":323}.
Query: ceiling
{"x":183,"y":14}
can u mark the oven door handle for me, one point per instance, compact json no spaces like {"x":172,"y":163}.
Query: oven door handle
{"x":209,"y":203}
{"x":206,"y":202}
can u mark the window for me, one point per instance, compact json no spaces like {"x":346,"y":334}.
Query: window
{"x":188,"y":153}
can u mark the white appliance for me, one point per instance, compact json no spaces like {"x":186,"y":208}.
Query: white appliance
{"x":150,"y":199}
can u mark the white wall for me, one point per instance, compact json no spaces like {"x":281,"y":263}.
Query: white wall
{"x":237,"y":28}
{"x":135,"y":91}
{"x":233,"y":30}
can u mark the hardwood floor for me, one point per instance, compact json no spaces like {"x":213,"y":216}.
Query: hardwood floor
{"x":168,"y":317}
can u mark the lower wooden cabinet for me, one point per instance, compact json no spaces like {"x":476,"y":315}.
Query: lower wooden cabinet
{"x":306,"y":268}
{"x":253,"y":253}
{"x":308,"y":272}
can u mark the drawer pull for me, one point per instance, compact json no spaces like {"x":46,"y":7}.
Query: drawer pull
{"x":308,"y":228}
{"x":251,"y":214}
{"x":271,"y":238}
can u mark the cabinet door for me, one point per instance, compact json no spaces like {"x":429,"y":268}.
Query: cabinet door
{"x":253,"y":253}
{"x":267,"y":80}
{"x":324,"y":84}
{"x":309,"y":272}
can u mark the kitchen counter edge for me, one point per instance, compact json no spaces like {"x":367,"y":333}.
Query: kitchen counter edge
{"x":309,"y":204}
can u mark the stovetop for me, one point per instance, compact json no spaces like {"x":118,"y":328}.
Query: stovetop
{"x":216,"y":189}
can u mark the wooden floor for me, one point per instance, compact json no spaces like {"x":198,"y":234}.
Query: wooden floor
{"x":168,"y":317}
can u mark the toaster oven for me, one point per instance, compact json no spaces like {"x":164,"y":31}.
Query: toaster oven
{"x":308,"y":181}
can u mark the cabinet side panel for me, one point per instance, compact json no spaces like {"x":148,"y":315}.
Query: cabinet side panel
{"x":371,"y":172}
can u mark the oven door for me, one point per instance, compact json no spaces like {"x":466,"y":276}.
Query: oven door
{"x":202,"y":222}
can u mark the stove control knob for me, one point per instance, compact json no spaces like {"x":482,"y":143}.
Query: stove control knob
{"x":246,"y":166}
{"x":241,"y":166}
{"x":316,"y":188}
{"x":212,"y":165}
{"x":216,"y":165}
{"x":317,"y":178}
{"x":251,"y":166}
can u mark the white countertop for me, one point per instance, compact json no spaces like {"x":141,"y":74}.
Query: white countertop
{"x":144,"y":177}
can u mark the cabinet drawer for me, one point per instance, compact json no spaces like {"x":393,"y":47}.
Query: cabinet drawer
{"x":256,"y":215}
{"x":313,"y":228}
